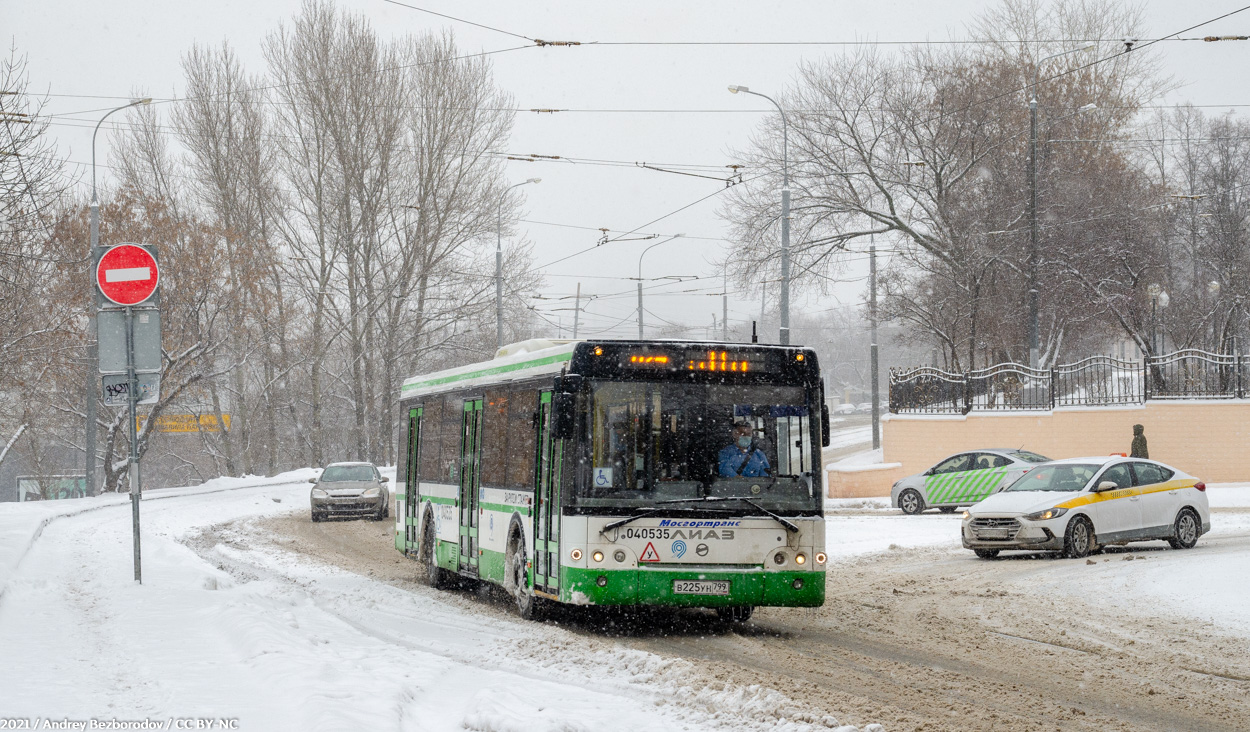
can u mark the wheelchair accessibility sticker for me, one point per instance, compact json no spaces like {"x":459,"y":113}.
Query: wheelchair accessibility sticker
{"x":603,"y":477}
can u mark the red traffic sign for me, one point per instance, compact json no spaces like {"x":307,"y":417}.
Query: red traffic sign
{"x":127,"y":274}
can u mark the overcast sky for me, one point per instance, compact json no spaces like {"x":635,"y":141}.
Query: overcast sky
{"x":653,"y":104}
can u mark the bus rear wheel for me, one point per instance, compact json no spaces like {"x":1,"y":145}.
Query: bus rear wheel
{"x":516,"y":579}
{"x":735,"y":614}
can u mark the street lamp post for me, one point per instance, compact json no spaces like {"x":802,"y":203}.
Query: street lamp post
{"x":499,"y":263}
{"x":785,"y":215}
{"x":93,"y":349}
{"x":1033,"y":291}
{"x":640,"y":256}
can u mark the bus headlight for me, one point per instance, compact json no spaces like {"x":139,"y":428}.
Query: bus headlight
{"x":576,"y":554}
{"x":800,"y":559}
{"x":598,"y":556}
{"x":779,"y":558}
{"x":821,"y":558}
{"x":602,"y":581}
{"x":798,"y":583}
{"x":619,"y":555}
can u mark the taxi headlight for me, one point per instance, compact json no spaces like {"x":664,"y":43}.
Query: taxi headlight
{"x":1046,"y":515}
{"x":318,"y":493}
{"x":967,"y":515}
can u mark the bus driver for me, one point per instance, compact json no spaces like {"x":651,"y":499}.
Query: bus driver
{"x":743,"y":458}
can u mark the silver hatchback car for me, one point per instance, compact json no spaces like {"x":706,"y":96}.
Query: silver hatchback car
{"x":350,"y":489}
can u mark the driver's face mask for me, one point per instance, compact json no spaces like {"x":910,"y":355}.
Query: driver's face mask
{"x":744,"y":441}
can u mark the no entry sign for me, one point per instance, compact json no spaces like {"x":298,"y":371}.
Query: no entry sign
{"x":127,"y":274}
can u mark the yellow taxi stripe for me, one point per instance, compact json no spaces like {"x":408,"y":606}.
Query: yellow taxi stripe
{"x":1171,"y":485}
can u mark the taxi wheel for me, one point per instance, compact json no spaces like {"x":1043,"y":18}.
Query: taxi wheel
{"x":910,"y":502}
{"x":986,"y":553}
{"x":1185,"y":533}
{"x":1078,"y":540}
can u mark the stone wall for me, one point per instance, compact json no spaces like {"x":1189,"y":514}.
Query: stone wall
{"x":1208,"y":439}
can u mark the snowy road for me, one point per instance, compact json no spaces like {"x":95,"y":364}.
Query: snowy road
{"x":249,"y":611}
{"x":230,"y":625}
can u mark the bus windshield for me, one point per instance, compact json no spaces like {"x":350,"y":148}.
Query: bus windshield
{"x":652,"y":442}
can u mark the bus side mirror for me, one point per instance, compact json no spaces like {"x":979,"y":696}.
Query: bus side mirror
{"x":824,"y":424}
{"x":564,"y":415}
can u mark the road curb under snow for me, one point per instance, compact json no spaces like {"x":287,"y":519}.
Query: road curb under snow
{"x":21,"y":524}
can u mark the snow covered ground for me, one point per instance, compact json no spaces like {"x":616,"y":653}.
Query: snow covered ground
{"x":268,"y":638}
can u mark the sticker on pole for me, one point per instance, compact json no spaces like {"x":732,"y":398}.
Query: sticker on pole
{"x":127,"y":274}
{"x":649,"y":554}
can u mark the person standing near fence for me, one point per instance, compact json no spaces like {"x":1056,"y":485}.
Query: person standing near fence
{"x":1139,"y":443}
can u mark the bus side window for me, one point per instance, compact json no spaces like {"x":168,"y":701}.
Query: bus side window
{"x":431,"y":427}
{"x":519,"y":455}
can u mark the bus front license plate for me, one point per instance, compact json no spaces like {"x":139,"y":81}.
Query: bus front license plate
{"x":701,"y":587}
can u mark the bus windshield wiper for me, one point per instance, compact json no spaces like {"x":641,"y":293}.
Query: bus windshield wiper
{"x":790,"y":525}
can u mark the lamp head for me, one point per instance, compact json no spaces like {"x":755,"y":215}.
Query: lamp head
{"x":1164,"y":299}
{"x":145,"y":100}
{"x":735,"y":88}
{"x":534,"y":180}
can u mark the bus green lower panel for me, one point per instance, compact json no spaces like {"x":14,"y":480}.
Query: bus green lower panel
{"x":655,"y":587}
{"x":490,"y":566}
{"x":400,"y":541}
{"x":448,"y":554}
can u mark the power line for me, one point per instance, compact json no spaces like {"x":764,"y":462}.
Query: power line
{"x":458,"y":20}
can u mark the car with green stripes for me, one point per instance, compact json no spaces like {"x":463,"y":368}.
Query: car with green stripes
{"x":962,"y":480}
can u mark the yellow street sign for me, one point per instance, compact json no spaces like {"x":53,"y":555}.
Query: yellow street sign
{"x":187,"y":422}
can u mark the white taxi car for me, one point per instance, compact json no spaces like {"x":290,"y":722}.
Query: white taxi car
{"x":1080,"y":504}
{"x":962,"y":479}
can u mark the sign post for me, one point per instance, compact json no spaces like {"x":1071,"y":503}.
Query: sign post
{"x":129,"y":333}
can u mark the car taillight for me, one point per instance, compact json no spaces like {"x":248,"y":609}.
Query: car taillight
{"x":1200,"y":486}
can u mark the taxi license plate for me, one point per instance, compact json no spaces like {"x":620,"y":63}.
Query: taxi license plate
{"x":701,"y":587}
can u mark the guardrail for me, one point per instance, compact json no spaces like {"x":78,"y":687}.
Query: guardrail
{"x":1093,"y":381}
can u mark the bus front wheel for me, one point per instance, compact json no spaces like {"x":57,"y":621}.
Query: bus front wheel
{"x":735,"y":614}
{"x":516,"y":579}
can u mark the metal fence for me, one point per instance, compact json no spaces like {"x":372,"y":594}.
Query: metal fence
{"x":1094,"y":381}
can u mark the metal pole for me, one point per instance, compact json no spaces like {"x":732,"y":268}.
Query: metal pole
{"x":784,"y":300}
{"x":872,"y":317}
{"x":499,"y":277}
{"x":1033,"y":294}
{"x":640,"y":298}
{"x":724,"y":318}
{"x":133,"y":392}
{"x":93,"y":348}
{"x":499,"y":263}
{"x":577,"y":309}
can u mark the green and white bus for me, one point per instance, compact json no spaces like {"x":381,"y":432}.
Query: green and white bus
{"x":620,"y":473}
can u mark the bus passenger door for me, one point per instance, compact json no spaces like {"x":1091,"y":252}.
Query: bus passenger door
{"x":470,"y":464}
{"x":412,"y":501}
{"x":546,"y":503}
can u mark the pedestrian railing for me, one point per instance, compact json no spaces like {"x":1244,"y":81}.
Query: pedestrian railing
{"x":1194,"y":374}
{"x":1094,"y":381}
{"x":928,"y":390}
